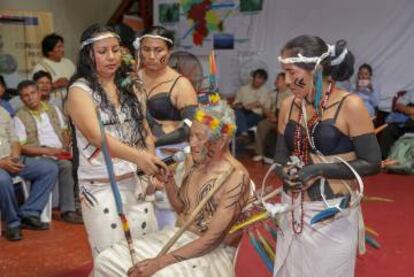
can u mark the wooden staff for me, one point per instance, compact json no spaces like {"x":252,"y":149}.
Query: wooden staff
{"x":222,"y":179}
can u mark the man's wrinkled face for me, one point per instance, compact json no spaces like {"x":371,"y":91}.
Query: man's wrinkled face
{"x":202,"y":148}
{"x":31,"y":97}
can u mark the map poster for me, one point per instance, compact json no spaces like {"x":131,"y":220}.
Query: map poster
{"x":21,"y":33}
{"x":203,"y":25}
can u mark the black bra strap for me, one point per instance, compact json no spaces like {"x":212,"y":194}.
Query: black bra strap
{"x":291,"y":107}
{"x":173,"y":85}
{"x":333,"y":105}
{"x":339,"y":107}
{"x":157,"y":85}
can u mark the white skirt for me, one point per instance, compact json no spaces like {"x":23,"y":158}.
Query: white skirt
{"x":100,"y":216}
{"x":116,"y":261}
{"x":325,"y":249}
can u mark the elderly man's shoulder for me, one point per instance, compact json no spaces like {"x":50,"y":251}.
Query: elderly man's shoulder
{"x":240,"y":170}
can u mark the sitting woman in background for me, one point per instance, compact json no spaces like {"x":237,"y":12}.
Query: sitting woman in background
{"x":96,"y":95}
{"x":365,"y":89}
{"x":171,"y":99}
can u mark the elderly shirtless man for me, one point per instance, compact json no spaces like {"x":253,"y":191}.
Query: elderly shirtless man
{"x":201,"y":250}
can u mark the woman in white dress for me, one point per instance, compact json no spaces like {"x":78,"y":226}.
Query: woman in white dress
{"x":97,"y":89}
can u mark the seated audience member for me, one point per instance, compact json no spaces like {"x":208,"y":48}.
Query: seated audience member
{"x":365,"y":89}
{"x":281,"y":92}
{"x":41,"y":130}
{"x":43,"y":81}
{"x":394,"y":131}
{"x":60,"y":68}
{"x":250,"y":102}
{"x":201,"y":250}
{"x":42,"y":174}
{"x":3,"y":102}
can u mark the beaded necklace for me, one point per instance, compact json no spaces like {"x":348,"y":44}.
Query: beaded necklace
{"x":301,"y":150}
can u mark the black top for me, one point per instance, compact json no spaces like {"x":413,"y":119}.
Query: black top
{"x":328,"y":139}
{"x":161,"y":107}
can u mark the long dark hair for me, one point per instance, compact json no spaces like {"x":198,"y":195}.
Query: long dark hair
{"x":313,"y":46}
{"x":86,"y":69}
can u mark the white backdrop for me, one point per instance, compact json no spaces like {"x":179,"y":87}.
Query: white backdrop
{"x":378,"y":32}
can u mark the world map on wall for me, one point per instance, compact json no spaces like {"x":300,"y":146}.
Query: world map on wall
{"x":204,"y":17}
{"x":202,"y":25}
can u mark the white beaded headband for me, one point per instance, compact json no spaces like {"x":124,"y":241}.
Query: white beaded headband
{"x":340,"y":58}
{"x":138,"y":40}
{"x":98,"y":37}
{"x":317,"y":60}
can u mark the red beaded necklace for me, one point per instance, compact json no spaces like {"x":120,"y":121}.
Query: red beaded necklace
{"x":301,"y":150}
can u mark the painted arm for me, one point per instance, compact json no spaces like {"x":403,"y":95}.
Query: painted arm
{"x":282,"y":152}
{"x":184,"y":98}
{"x":172,"y":193}
{"x":180,"y":134}
{"x":366,"y":147}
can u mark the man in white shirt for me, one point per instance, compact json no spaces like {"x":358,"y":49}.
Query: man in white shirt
{"x":42,"y":174}
{"x":60,"y":68}
{"x":264,"y":127}
{"x":43,"y":81}
{"x":250,"y":102}
{"x":41,"y":130}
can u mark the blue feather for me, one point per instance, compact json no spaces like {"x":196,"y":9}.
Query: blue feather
{"x":324,"y":215}
{"x":273,"y":233}
{"x":262,"y":253}
{"x":371,"y":241}
{"x":318,"y":87}
{"x":271,"y":230}
{"x":331,"y":212}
